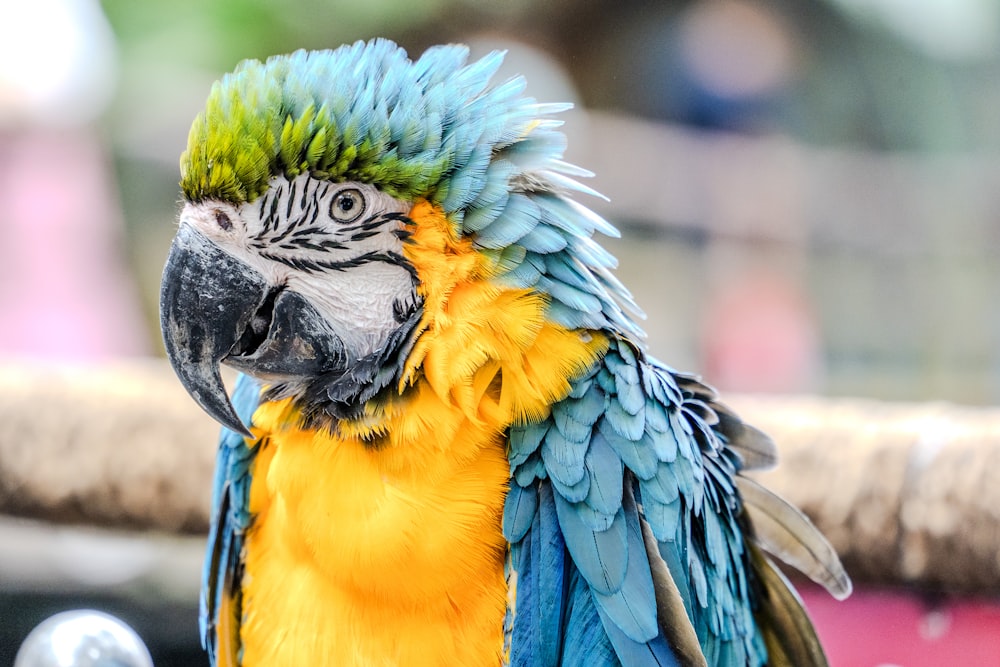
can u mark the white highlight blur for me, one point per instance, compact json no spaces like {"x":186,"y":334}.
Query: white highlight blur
{"x":947,"y":29}
{"x":57,"y":62}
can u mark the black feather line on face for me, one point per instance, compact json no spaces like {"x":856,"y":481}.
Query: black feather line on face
{"x":315,"y":238}
{"x":291,"y":200}
{"x":308,"y":265}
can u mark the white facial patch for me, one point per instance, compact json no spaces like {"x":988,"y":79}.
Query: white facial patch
{"x":337,"y":244}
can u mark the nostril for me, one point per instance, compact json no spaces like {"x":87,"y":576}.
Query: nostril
{"x":222,"y":219}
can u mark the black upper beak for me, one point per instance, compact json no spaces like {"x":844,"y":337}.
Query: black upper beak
{"x":208,"y":300}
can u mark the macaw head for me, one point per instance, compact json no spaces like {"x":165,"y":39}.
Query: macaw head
{"x":302,"y":179}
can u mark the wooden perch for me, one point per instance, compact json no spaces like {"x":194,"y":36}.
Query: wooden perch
{"x":906,"y":493}
{"x":119,"y":445}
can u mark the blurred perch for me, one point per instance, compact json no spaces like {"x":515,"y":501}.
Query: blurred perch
{"x":906,"y":493}
{"x":117,"y":445}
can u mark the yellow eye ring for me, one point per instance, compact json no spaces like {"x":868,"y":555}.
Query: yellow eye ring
{"x":348,"y":205}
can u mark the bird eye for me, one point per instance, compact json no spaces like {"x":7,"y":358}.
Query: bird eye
{"x":347,"y":205}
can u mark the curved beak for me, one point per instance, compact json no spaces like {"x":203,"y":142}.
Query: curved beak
{"x":208,"y":300}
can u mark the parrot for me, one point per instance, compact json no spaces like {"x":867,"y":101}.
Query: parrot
{"x":446,"y":442}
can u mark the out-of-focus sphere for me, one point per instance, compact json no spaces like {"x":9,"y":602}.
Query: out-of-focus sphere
{"x":83,"y":638}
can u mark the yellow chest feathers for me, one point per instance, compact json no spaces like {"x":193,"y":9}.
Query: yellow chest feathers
{"x":379,"y":543}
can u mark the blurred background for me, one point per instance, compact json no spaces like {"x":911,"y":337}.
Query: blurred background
{"x":808,"y":192}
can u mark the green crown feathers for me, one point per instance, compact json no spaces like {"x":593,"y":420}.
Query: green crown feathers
{"x":361,"y":112}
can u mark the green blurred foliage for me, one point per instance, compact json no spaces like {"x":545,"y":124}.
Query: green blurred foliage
{"x":217,"y":33}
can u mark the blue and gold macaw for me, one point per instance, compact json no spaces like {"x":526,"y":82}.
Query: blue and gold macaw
{"x":447,"y":445}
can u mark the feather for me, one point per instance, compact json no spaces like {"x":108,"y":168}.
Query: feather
{"x":226,"y":648}
{"x":585,"y":404}
{"x":530,"y":470}
{"x":544,"y":240}
{"x":626,"y":424}
{"x":586,"y":643}
{"x":524,"y":276}
{"x":664,"y":518}
{"x":563,"y":457}
{"x":539,"y":609}
{"x":605,"y":470}
{"x":595,"y":519}
{"x":636,"y":653}
{"x":638,"y":456}
{"x":519,"y":217}
{"x":662,"y":439}
{"x":630,"y":394}
{"x":562,"y":181}
{"x":601,"y":556}
{"x":631,"y":608}
{"x":524,"y":440}
{"x":661,"y":487}
{"x":784,"y":531}
{"x":577,"y":493}
{"x":756,"y":449}
{"x":582,"y":301}
{"x":574,"y":423}
{"x":492,"y":205}
{"x":670,"y":606}
{"x":550,"y":108}
{"x":519,"y":510}
{"x":569,"y":317}
{"x":570,"y":269}
{"x":789,"y":635}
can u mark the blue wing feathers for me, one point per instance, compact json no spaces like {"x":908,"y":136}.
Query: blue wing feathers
{"x":563,"y":314}
{"x":519,"y":511}
{"x":595,"y":520}
{"x":662,"y":517}
{"x":544,"y":239}
{"x":553,"y":581}
{"x":538,"y":627}
{"x":657,"y":420}
{"x":632,"y":607}
{"x":587,"y":643}
{"x":629,"y":428}
{"x":641,"y":643}
{"x":533,"y":468}
{"x":230,"y":511}
{"x":661,"y":487}
{"x":605,"y":470}
{"x":601,"y":556}
{"x":564,"y":457}
{"x":524,"y":440}
{"x":519,"y":217}
{"x":523,"y":276}
{"x":580,"y":300}
{"x":573,"y":420}
{"x":637,"y":455}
